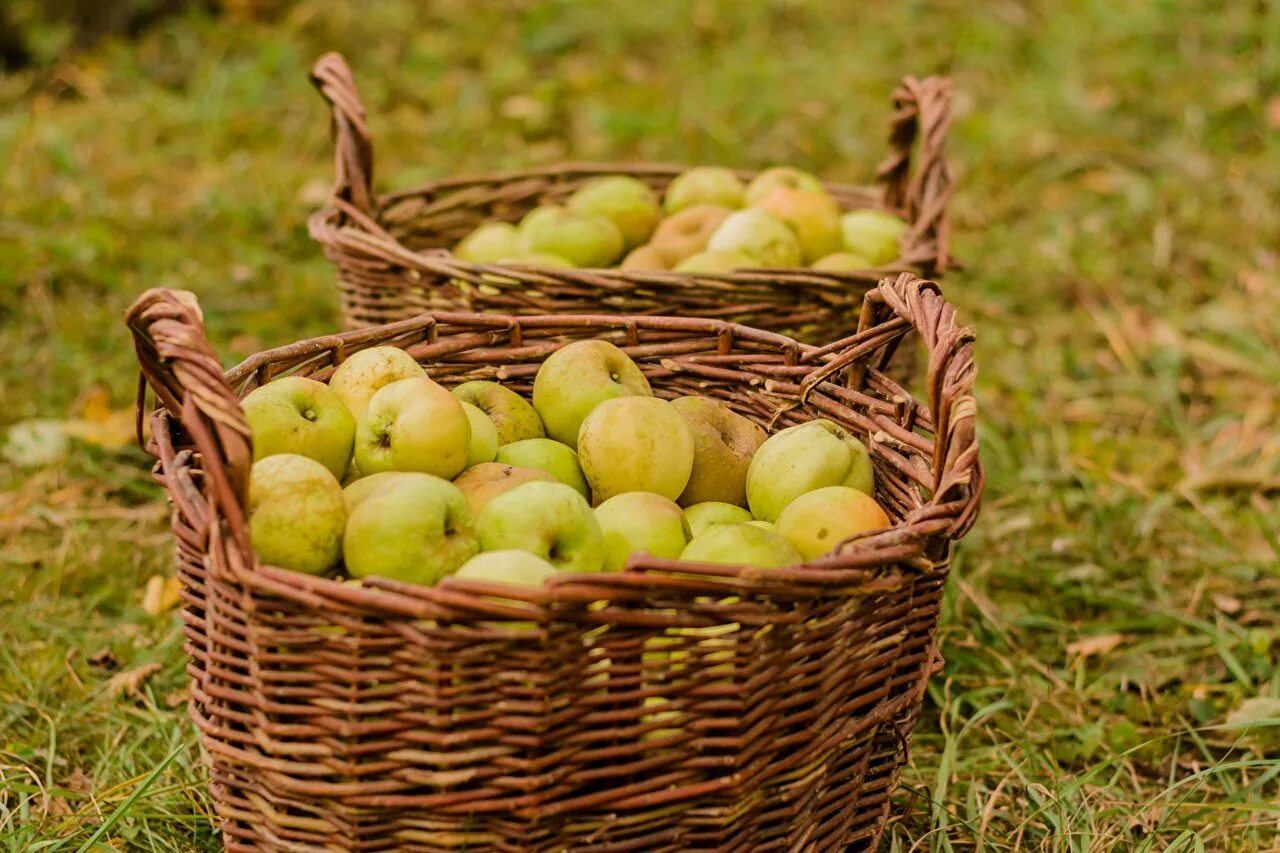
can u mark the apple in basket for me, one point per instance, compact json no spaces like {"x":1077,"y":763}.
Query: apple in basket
{"x":717,"y":262}
{"x":812,"y":215}
{"x":413,"y":425}
{"x":549,"y":520}
{"x":873,"y":234}
{"x":299,"y":415}
{"x":512,"y":416}
{"x":490,"y":243}
{"x":818,"y":521}
{"x":701,"y":516}
{"x":545,"y":454}
{"x":704,"y":185}
{"x":758,"y":235}
{"x":517,"y":568}
{"x":641,"y":522}
{"x":626,"y":202}
{"x":582,"y":240}
{"x":741,"y":544}
{"x":686,"y":233}
{"x":484,"y":436}
{"x":296,"y":513}
{"x":417,"y":528}
{"x":578,"y":377}
{"x":777,"y":177}
{"x":803,"y":458}
{"x":484,"y":482}
{"x":357,"y":378}
{"x":635,"y":444}
{"x":723,"y":444}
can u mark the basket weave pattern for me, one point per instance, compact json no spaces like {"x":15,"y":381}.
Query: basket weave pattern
{"x":672,"y":706}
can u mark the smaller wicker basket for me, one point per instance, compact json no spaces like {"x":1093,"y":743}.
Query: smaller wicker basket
{"x":672,"y":706}
{"x":393,"y":259}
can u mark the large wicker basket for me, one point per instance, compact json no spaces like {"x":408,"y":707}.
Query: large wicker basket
{"x":671,"y":706}
{"x":393,"y":259}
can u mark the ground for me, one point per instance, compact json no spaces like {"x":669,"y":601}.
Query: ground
{"x":1109,"y":622}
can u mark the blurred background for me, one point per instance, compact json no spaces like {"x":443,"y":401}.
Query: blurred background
{"x":1112,"y":625}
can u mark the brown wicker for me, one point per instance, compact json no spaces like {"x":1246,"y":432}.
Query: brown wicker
{"x":393,"y":262}
{"x":388,"y":716}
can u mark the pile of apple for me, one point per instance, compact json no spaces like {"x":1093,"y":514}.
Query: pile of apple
{"x":708,"y":221}
{"x":389,"y":473}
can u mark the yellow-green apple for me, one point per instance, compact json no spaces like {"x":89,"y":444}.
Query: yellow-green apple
{"x":489,"y":243}
{"x":511,"y":414}
{"x":299,"y":415}
{"x":818,"y":521}
{"x":415,"y":529}
{"x":702,"y":516}
{"x":763,"y":525}
{"x":635,"y":444}
{"x":759,"y":235}
{"x":357,"y":379}
{"x":550,"y":520}
{"x":703,"y":185}
{"x":584,"y":241}
{"x":517,"y":568}
{"x":545,"y":454}
{"x":741,"y":544}
{"x":812,"y":215}
{"x":716,"y":262}
{"x":353,"y":494}
{"x":802,"y":458}
{"x":484,"y":482}
{"x":413,"y":425}
{"x":626,"y":202}
{"x":640,"y":522}
{"x":723,"y":444}
{"x":578,"y":377}
{"x":873,"y":234}
{"x":686,"y":233}
{"x":296,"y":514}
{"x":645,"y":257}
{"x":484,"y":436}
{"x":777,"y":177}
{"x":842,"y":262}
{"x":540,"y":216}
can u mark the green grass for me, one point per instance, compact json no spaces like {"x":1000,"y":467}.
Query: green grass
{"x":1117,"y":217}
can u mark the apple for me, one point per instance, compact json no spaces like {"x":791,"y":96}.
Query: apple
{"x":776,"y":177}
{"x":686,"y":233}
{"x":763,"y":525}
{"x":357,"y":379}
{"x":723,"y":444}
{"x":643,"y":258}
{"x":640,"y":522}
{"x":818,"y":521}
{"x":550,"y":520}
{"x":584,"y":241}
{"x":702,"y":516}
{"x":353,"y":494}
{"x":489,"y":243}
{"x":703,"y":185}
{"x":484,"y":436}
{"x":626,"y":202}
{"x":413,"y":425}
{"x":299,"y":415}
{"x":842,"y":262}
{"x":511,"y":414}
{"x":635,"y":444}
{"x":545,"y":454}
{"x":802,"y":458}
{"x":716,"y":262}
{"x":741,"y":544}
{"x":756,"y":233}
{"x":296,"y":514}
{"x":873,"y":234}
{"x":576,"y":378}
{"x":484,"y":482}
{"x":416,"y":529}
{"x":541,"y":216}
{"x":517,"y":568}
{"x":812,"y":215}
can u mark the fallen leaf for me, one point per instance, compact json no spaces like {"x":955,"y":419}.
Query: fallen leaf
{"x":177,"y":698}
{"x":95,"y":422}
{"x":162,"y":593}
{"x":79,"y":781}
{"x":1226,"y":603}
{"x":104,"y":658}
{"x":37,"y":443}
{"x":1099,"y":644}
{"x":131,"y":680}
{"x":1273,"y":112}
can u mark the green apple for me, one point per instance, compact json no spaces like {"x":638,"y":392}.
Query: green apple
{"x":299,"y":415}
{"x":741,"y":544}
{"x":484,"y":436}
{"x":357,"y":379}
{"x":489,"y":243}
{"x":550,"y":520}
{"x":511,"y":414}
{"x":635,"y":444}
{"x":702,"y":516}
{"x":416,"y":529}
{"x":545,"y":454}
{"x":842,"y":262}
{"x":540,"y":217}
{"x":777,"y":177}
{"x":626,"y":202}
{"x":873,"y":234}
{"x":759,"y":235}
{"x":584,"y":241}
{"x":802,"y":458}
{"x":703,"y":185}
{"x":578,"y":377}
{"x":812,"y":215}
{"x":517,"y":568}
{"x":686,"y":233}
{"x":353,"y":494}
{"x":723,"y":444}
{"x":642,"y":258}
{"x":484,"y":482}
{"x":640,"y":522}
{"x":413,"y":425}
{"x":818,"y":521}
{"x":717,"y":262}
{"x":296,"y":514}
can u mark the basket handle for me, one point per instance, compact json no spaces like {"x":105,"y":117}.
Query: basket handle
{"x":179,"y":364}
{"x":923,"y":111}
{"x":352,"y":148}
{"x":888,"y":310}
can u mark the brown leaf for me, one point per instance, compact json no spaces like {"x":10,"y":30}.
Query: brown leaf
{"x":131,"y":680}
{"x":162,"y":593}
{"x":104,"y":658}
{"x":79,"y":781}
{"x":1226,"y":603}
{"x":177,"y":698}
{"x":1099,"y":644}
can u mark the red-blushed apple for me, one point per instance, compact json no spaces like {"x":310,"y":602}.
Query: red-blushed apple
{"x":686,"y":233}
{"x":484,"y":482}
{"x":818,"y":521}
{"x":812,"y":215}
{"x":643,"y":258}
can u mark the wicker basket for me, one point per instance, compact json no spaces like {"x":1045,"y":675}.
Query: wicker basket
{"x":393,"y":259}
{"x":672,"y":706}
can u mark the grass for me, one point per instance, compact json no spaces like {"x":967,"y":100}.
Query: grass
{"x":1117,"y":216}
